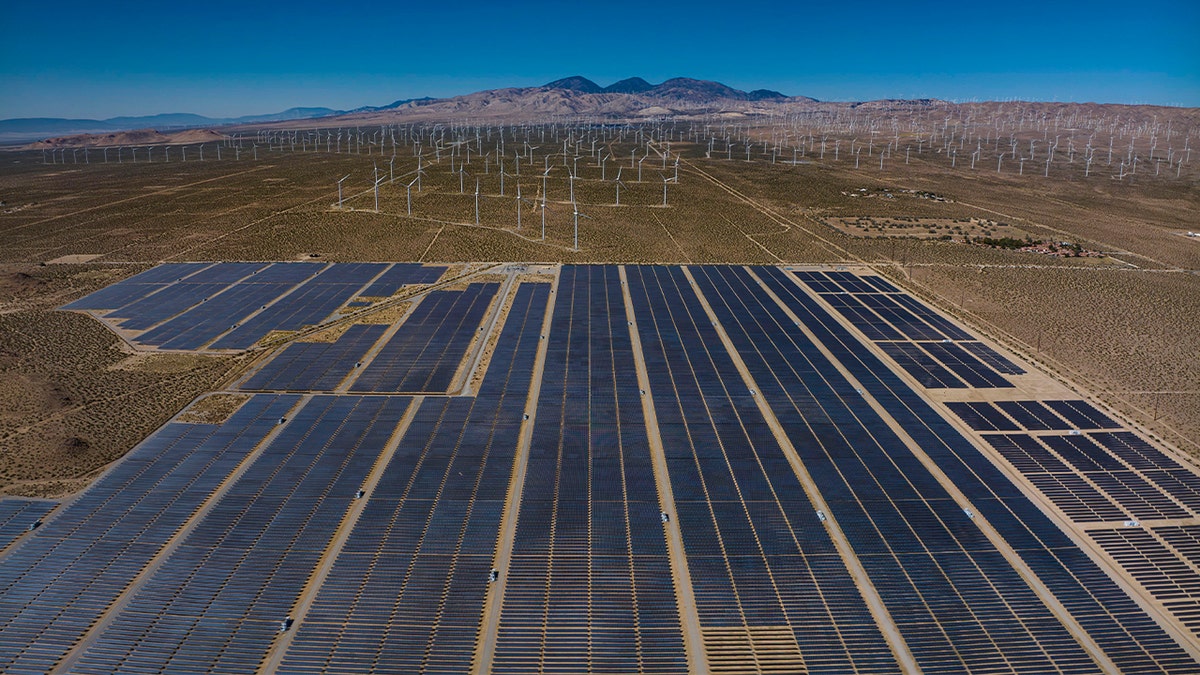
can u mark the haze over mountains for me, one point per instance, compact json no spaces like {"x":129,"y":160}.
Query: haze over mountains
{"x":626,"y":97}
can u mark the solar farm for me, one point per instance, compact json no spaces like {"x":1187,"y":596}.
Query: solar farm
{"x":603,"y":468}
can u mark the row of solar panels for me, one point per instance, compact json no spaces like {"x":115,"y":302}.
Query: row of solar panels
{"x":1056,"y":415}
{"x":421,"y":356}
{"x":757,"y":553}
{"x":1164,"y":560}
{"x":931,"y":348}
{"x":406,"y":592}
{"x":233,"y":305}
{"x":943,"y":581}
{"x":19,"y":516}
{"x":589,"y":580}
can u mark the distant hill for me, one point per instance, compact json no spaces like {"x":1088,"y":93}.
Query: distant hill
{"x":30,"y":128}
{"x":576,"y":83}
{"x":631,"y":85}
{"x":139,"y":137}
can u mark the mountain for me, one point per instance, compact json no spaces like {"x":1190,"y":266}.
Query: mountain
{"x":391,"y":106}
{"x":687,"y":89}
{"x":575,"y":83}
{"x":30,"y":128}
{"x":631,"y":85}
{"x":677,"y":89}
{"x":765,"y":95}
{"x":146,"y":137}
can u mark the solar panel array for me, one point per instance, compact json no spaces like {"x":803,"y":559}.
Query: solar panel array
{"x":316,"y":366}
{"x":934,"y":350}
{"x":757,"y":552}
{"x":938,"y":574}
{"x":822,"y":515}
{"x":424,"y":354}
{"x":400,"y":275}
{"x":189,"y":305}
{"x":406,"y":592}
{"x":137,"y":287}
{"x":19,"y":516}
{"x":589,"y":580}
{"x":194,"y":328}
{"x":1129,"y":637}
{"x":58,"y":582}
{"x":310,"y":304}
{"x":216,"y":603}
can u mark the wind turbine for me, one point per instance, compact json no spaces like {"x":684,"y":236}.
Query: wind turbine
{"x":408,"y":192}
{"x":544,"y":216}
{"x":340,"y":190}
{"x":575,"y":208}
{"x":476,"y":201}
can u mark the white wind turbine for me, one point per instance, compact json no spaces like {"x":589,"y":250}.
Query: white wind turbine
{"x":339,"y":184}
{"x":378,"y":180}
{"x":575,"y":208}
{"x":408,"y":193}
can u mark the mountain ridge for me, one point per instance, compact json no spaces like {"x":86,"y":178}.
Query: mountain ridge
{"x":675,"y":88}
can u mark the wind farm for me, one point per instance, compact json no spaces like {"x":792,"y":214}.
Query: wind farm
{"x":636,"y":378}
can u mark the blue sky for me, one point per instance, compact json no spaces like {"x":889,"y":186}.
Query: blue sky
{"x":222,"y":58}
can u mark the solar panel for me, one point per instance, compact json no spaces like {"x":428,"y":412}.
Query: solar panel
{"x":972,"y":371}
{"x":982,"y":416}
{"x":992,"y":358}
{"x":316,"y":366}
{"x":20,"y":516}
{"x":310,"y":304}
{"x":749,"y":528}
{"x":425,"y":352}
{"x":241,"y":569}
{"x":408,"y":587}
{"x":927,"y":371}
{"x":1123,"y":631}
{"x":589,"y":531}
{"x":879,"y":474}
{"x":400,"y":274}
{"x":79,"y":562}
{"x":1082,"y":415}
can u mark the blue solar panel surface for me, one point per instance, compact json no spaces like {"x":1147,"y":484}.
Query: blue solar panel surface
{"x":894,"y":512}
{"x":1126,"y":634}
{"x":137,"y":286}
{"x":187,"y":555}
{"x":401,"y":274}
{"x":310,"y":304}
{"x":56,"y":583}
{"x":408,"y":587}
{"x":589,"y":506}
{"x":224,"y":591}
{"x":757,"y":552}
{"x":316,"y":366}
{"x":20,"y":516}
{"x":425,"y":352}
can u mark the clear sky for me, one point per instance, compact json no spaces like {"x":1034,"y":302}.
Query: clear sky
{"x":222,"y":58}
